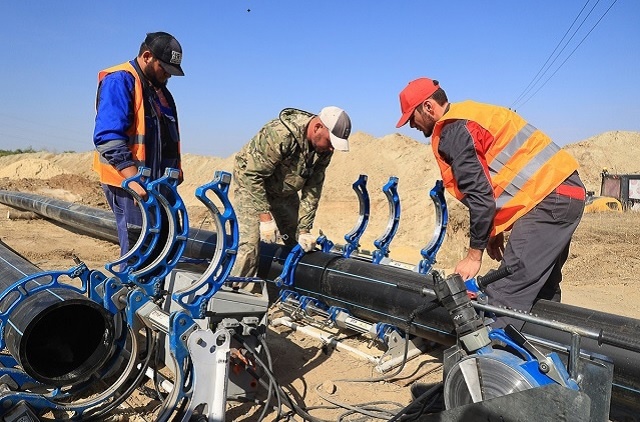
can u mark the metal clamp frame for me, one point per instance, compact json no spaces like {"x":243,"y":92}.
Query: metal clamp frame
{"x":151,"y":277}
{"x":195,"y":298}
{"x":325,"y":244}
{"x":382,"y":243}
{"x":442,"y":218}
{"x":149,"y":232}
{"x":353,"y":237}
{"x":286,"y":277}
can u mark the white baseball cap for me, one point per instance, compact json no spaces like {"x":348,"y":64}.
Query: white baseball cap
{"x":339,"y":125}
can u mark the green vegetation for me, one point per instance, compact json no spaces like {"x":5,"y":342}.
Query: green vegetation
{"x":4,"y":152}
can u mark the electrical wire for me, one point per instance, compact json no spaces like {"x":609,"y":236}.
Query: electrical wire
{"x":40,"y":131}
{"x":362,"y":408}
{"x":570,"y":54}
{"x":279,"y":391}
{"x":271,"y":388}
{"x":535,"y":78}
{"x":520,"y":101}
{"x":424,"y":396}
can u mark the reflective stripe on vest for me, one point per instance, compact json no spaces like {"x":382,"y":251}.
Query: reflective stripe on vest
{"x":527,"y":172}
{"x":106,"y":172}
{"x":524,"y":165}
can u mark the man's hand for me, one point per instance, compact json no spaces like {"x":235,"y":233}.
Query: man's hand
{"x":307,"y":241}
{"x":137,"y":188}
{"x":495,"y":247}
{"x":269,"y":231}
{"x":470,"y":265}
{"x":129,"y":172}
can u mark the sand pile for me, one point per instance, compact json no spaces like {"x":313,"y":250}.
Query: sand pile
{"x":32,"y":168}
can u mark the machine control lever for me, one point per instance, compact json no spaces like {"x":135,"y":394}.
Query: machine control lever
{"x":478,"y":284}
{"x":493,"y":276}
{"x":545,"y":364}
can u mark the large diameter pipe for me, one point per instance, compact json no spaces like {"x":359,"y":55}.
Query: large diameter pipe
{"x":369,"y":291}
{"x":82,"y":218}
{"x":97,"y":222}
{"x":57,"y":336}
{"x":372,"y":292}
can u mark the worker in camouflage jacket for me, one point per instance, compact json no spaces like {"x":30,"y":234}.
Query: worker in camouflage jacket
{"x":278,"y":179}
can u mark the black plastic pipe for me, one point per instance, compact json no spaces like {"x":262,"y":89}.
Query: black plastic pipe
{"x":368,"y":291}
{"x":57,"y":336}
{"x":97,"y":222}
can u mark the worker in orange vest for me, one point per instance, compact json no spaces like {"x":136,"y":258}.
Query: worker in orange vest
{"x":136,"y":125}
{"x":511,"y":177}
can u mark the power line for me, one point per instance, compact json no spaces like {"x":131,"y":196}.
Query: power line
{"x":535,"y":78}
{"x":570,"y":54}
{"x":519,"y":100}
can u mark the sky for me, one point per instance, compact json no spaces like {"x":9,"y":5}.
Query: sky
{"x":245,"y":60}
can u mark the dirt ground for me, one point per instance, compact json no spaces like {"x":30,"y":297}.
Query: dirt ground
{"x":600,"y":273}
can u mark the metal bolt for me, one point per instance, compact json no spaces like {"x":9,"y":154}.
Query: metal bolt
{"x":544,"y":368}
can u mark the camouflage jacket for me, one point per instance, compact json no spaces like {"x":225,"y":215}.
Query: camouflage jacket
{"x":278,"y":162}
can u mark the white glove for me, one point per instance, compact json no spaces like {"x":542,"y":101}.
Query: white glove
{"x":269,"y":231}
{"x":307,"y":241}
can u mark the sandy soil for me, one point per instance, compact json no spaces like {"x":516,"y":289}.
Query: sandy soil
{"x":600,"y":272}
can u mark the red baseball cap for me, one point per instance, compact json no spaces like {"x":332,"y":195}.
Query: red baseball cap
{"x":415,"y":93}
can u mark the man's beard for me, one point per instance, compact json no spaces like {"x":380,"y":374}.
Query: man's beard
{"x":156,"y":83}
{"x":153,"y":80}
{"x":428,"y":131}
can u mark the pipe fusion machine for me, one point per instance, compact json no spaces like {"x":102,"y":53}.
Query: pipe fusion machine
{"x":78,"y":343}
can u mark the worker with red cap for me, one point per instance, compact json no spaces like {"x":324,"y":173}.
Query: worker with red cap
{"x":511,"y":177}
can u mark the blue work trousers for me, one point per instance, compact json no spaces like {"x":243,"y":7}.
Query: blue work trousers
{"x":126,"y":212}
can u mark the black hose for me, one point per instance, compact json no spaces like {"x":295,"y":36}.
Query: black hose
{"x":271,"y":386}
{"x":293,"y":406}
{"x":424,"y":396}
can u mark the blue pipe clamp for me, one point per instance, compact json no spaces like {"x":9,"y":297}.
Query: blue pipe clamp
{"x":151,"y":278}
{"x":353,"y":237}
{"x":195,"y":298}
{"x":149,"y":232}
{"x":442,"y":219}
{"x":383,"y":242}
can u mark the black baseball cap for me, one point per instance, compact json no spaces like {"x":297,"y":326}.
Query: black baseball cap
{"x":166,"y":49}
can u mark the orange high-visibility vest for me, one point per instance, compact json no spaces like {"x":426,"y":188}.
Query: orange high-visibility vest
{"x":107,"y":173}
{"x":524,"y":165}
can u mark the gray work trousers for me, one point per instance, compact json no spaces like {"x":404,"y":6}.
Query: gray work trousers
{"x":537,"y":248}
